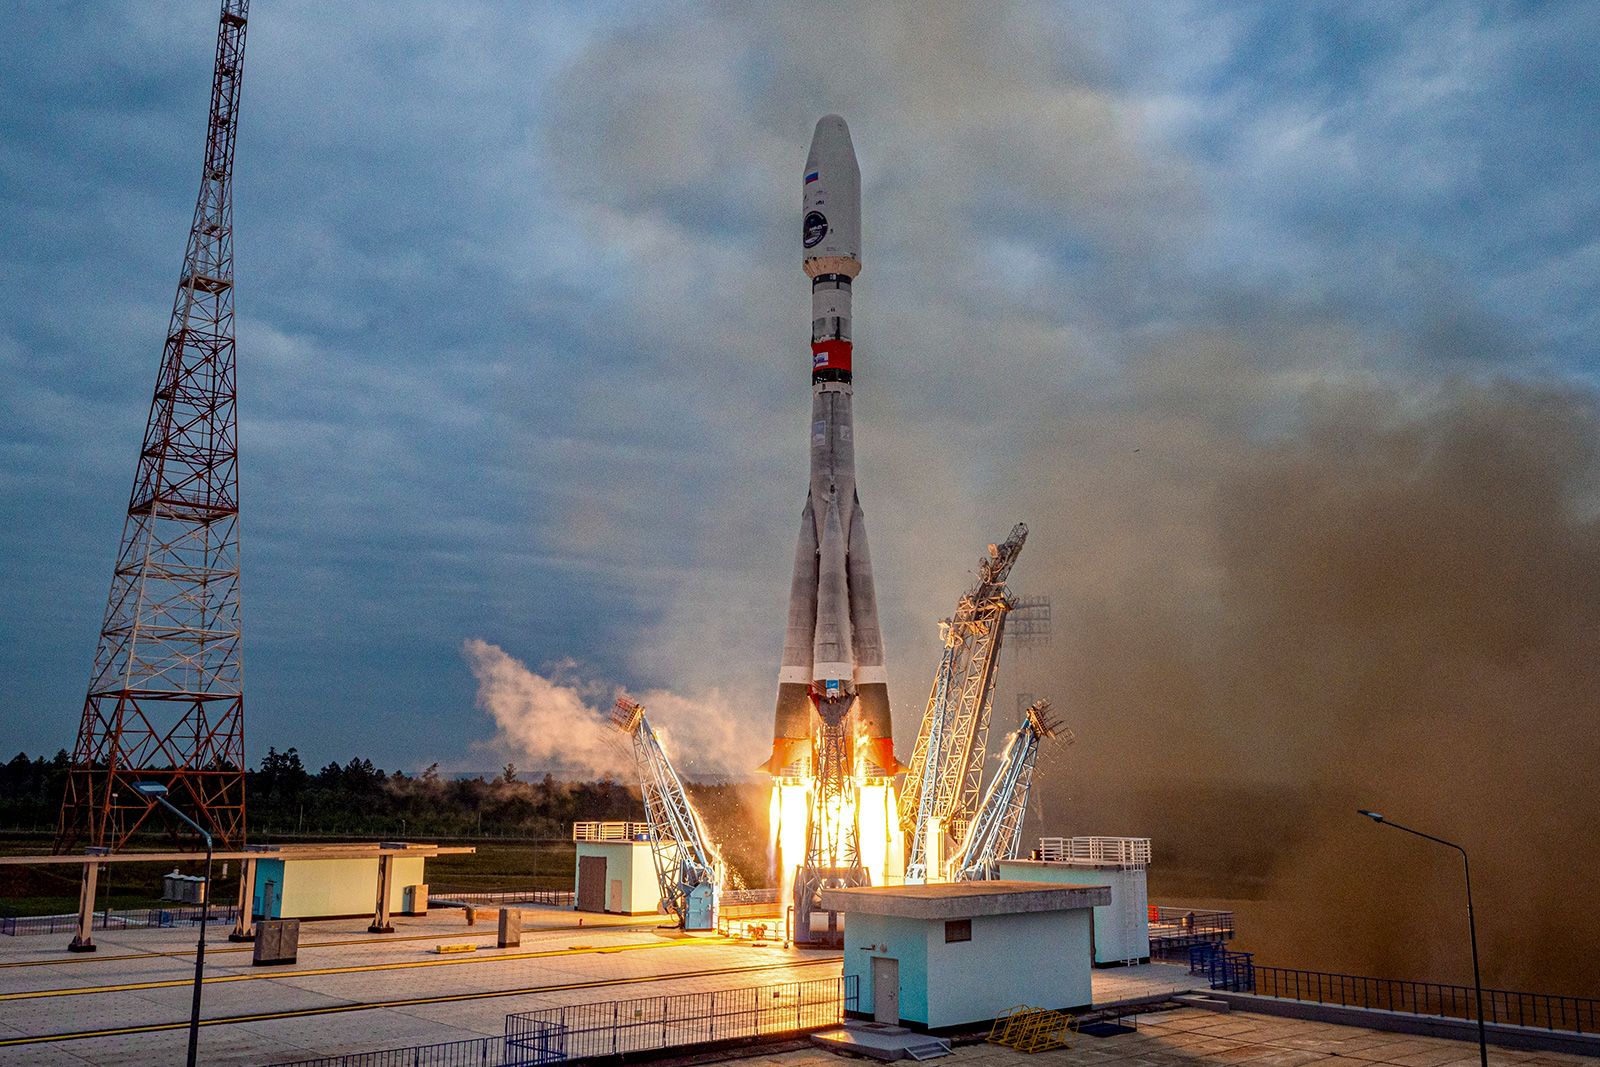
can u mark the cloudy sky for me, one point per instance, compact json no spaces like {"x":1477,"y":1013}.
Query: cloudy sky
{"x":1255,"y":313}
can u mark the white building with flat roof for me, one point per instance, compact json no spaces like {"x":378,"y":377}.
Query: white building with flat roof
{"x":1122,"y":926}
{"x":946,"y":955}
{"x":615,"y":870}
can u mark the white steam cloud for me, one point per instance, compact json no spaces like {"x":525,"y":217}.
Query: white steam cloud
{"x":561,"y":722}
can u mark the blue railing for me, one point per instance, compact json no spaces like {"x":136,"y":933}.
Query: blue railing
{"x":1222,"y":968}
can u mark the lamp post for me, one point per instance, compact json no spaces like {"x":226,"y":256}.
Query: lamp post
{"x":157,"y":792}
{"x":1472,"y":925}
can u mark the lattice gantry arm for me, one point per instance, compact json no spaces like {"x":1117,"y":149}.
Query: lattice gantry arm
{"x":995,"y":832}
{"x":688,"y":867}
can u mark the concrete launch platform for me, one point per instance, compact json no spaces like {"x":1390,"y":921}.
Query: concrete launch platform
{"x":353,"y":991}
{"x":1194,"y":1036}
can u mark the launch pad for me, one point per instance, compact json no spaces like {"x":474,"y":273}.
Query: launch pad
{"x":356,"y":992}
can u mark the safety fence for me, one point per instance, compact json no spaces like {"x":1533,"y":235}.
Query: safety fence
{"x":1126,"y":852}
{"x":611,"y":831}
{"x":1500,"y":1006}
{"x":473,"y":1052}
{"x":138,"y":918}
{"x":550,"y":898}
{"x":1173,"y":930}
{"x":610,"y":1028}
{"x":1223,"y":969}
{"x":756,"y":928}
{"x":749,"y":896}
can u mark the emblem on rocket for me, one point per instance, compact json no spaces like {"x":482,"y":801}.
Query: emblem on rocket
{"x":833,"y":649}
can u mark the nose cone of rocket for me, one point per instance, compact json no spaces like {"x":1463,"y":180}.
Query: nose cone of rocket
{"x":831,"y":144}
{"x":832,"y":201}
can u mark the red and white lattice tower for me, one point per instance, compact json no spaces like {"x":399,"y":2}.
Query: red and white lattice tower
{"x":166,"y":697}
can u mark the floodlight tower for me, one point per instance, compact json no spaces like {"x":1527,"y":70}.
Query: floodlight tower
{"x":166,"y":695}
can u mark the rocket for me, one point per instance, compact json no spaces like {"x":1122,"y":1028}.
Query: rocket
{"x":832,"y":649}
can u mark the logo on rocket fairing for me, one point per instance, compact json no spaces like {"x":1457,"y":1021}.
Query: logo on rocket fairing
{"x":816,"y":228}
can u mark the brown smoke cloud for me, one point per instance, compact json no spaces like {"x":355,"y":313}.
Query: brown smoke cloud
{"x":1376,"y":595}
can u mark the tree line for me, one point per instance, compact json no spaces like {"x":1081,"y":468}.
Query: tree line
{"x":284,"y":798}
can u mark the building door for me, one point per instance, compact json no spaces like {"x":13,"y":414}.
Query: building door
{"x":885,"y":990}
{"x":591,"y":883}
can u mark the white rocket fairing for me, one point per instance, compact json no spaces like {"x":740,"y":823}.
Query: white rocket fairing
{"x":833,"y":649}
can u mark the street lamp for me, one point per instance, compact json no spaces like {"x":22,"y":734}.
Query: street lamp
{"x":1472,"y":925}
{"x":157,"y":792}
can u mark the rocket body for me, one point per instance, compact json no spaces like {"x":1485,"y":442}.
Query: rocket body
{"x":833,"y":648}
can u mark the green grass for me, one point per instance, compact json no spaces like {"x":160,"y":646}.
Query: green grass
{"x":541,"y":864}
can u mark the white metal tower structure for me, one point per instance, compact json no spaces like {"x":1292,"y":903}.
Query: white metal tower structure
{"x":995,"y":832}
{"x":940,"y":793}
{"x":687,"y":866}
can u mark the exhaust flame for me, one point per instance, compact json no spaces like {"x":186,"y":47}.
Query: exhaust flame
{"x":871,"y":811}
{"x":790,"y":808}
{"x":882,"y":846}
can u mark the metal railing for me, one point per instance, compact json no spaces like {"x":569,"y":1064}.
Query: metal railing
{"x":1222,"y":968}
{"x":1131,"y":852}
{"x":609,"y":1028}
{"x":565,"y":898}
{"x":749,"y":896}
{"x":1502,"y":1007}
{"x":473,"y":1052}
{"x":756,"y":928}
{"x":578,"y":1031}
{"x":611,"y":831}
{"x":550,"y":898}
{"x":137,"y":918}
{"x":1174,"y":930}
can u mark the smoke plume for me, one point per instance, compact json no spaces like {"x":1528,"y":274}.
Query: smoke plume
{"x":560,"y":722}
{"x":1383,"y":596}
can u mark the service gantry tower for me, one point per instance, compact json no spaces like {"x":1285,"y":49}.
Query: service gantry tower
{"x":166,"y":696}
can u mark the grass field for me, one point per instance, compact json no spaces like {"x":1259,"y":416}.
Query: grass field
{"x":540,"y":864}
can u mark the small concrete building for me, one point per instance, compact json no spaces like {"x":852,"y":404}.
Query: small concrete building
{"x":615,"y":870}
{"x":290,"y":886}
{"x":940,"y":956}
{"x":1121,"y":927}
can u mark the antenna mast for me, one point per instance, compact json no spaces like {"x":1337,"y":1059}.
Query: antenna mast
{"x":166,"y":696}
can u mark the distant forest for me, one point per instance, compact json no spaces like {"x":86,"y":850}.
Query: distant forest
{"x":357,"y":798}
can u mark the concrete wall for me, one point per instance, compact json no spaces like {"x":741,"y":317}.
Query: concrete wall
{"x":1040,"y":959}
{"x":1121,"y":928}
{"x":631,"y":884}
{"x":323,"y":889}
{"x":896,"y":938}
